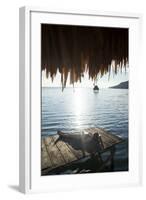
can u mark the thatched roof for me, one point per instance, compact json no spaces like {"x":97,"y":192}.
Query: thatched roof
{"x":76,"y":49}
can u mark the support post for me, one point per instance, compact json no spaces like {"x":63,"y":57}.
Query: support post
{"x":112,"y":157}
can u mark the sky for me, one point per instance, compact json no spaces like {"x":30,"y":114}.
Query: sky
{"x":104,"y":82}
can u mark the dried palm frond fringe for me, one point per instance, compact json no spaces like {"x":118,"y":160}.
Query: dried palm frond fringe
{"x":74,"y":50}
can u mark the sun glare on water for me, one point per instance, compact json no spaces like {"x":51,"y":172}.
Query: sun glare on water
{"x":79,"y":105}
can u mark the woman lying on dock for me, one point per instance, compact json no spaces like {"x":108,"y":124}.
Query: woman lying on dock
{"x":90,"y":143}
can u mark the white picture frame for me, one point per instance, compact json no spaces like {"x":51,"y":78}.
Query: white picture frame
{"x":30,"y":178}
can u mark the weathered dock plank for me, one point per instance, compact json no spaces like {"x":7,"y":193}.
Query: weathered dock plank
{"x":62,"y":149}
{"x":107,"y":138}
{"x":45,"y":157}
{"x":66,"y":152}
{"x":54,"y":154}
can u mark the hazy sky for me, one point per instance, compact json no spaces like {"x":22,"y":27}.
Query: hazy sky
{"x":102,"y":82}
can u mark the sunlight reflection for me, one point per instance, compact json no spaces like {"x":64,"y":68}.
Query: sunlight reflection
{"x":79,"y":106}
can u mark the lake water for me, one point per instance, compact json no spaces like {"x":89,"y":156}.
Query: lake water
{"x":81,"y":108}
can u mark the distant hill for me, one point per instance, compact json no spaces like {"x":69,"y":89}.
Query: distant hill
{"x":123,"y":85}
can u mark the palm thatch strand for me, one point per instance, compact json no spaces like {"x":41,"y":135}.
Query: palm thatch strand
{"x":75,"y":49}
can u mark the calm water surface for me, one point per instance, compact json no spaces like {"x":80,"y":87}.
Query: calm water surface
{"x":82,"y":108}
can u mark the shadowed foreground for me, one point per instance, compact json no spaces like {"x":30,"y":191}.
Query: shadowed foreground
{"x":89,"y":150}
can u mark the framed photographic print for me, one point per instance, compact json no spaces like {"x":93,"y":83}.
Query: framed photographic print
{"x":79,"y":106}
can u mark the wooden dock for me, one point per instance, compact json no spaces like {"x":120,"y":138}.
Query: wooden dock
{"x":61,"y":150}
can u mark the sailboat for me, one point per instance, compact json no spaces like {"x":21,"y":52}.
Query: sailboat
{"x":96,"y":88}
